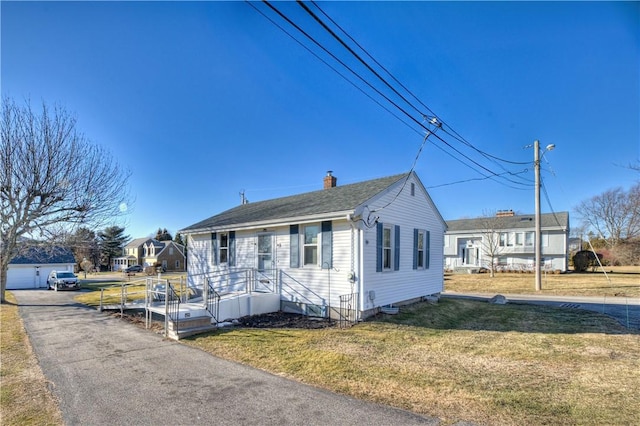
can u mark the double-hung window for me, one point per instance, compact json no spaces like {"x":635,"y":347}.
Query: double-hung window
{"x":420,"y":249}
{"x":519,"y":238}
{"x":528,"y":238}
{"x":224,"y":248}
{"x":386,"y":248}
{"x":310,"y":245}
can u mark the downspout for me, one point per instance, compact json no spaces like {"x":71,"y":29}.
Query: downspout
{"x":355,"y":273}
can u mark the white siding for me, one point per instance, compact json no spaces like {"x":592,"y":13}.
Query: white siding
{"x":554,"y":249}
{"x":314,"y":285}
{"x":353,"y":249}
{"x":26,"y":277}
{"x":408,"y":212}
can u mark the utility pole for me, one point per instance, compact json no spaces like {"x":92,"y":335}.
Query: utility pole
{"x":538,"y":242}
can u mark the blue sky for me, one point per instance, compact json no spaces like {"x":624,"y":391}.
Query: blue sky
{"x":201,"y":100}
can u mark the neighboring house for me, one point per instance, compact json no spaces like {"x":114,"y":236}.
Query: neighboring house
{"x":31,"y":269}
{"x":166,"y":253}
{"x":378,"y":242}
{"x":148,"y":252}
{"x":508,"y":240}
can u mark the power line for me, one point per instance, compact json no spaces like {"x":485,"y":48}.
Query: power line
{"x":475,"y":179}
{"x":492,"y":174}
{"x":452,"y":132}
{"x":386,"y":83}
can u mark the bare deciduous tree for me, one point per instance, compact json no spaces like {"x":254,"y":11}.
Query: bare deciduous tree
{"x":614,"y":214}
{"x":492,"y":225}
{"x":52,"y":180}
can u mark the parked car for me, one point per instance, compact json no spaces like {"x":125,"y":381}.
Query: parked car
{"x":62,"y":280}
{"x":134,"y":268}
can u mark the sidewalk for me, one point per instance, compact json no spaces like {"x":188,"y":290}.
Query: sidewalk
{"x":109,"y":372}
{"x":626,"y":310}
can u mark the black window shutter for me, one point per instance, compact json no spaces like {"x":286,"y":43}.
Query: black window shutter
{"x":232,"y":248}
{"x":415,"y":248}
{"x":327,"y":261}
{"x":396,"y":249}
{"x":294,"y":247}
{"x":214,"y":248}
{"x":379,"y":229}
{"x":427,"y":249}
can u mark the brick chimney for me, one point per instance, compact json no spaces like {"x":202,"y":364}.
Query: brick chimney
{"x":504,"y":213}
{"x":329,"y":180}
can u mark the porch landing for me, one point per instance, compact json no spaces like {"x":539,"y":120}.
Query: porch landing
{"x":232,"y":306}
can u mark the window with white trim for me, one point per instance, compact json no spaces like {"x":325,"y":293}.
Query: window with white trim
{"x":224,"y":248}
{"x":310,"y":244}
{"x":528,"y":238}
{"x":386,"y":248}
{"x":420,"y":249}
{"x":519,"y":238}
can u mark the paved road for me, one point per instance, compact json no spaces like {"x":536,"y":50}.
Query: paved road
{"x":626,"y":310}
{"x":110,"y":372}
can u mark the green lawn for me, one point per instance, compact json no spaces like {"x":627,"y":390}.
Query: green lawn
{"x":462,"y":360}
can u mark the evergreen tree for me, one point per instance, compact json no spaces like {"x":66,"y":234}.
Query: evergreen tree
{"x":112,"y":242}
{"x":163,"y":235}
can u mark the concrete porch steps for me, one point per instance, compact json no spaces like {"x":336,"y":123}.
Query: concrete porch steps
{"x":190,"y":326}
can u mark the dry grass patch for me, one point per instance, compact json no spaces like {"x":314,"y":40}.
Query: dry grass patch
{"x":24,"y":395}
{"x":624,"y":282}
{"x":462,"y":360}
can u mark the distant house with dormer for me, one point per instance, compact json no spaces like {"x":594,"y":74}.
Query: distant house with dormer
{"x":149,"y":252}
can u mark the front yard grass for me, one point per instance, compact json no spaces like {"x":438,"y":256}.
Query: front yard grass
{"x":462,"y":360}
{"x":24,"y":396}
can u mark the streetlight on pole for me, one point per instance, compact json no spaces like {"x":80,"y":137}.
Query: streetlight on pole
{"x":538,"y":243}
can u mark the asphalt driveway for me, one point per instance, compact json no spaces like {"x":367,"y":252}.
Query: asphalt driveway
{"x":109,"y":372}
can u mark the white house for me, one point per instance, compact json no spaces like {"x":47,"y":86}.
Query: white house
{"x":360,"y":246}
{"x":31,"y":268}
{"x":508,"y":240}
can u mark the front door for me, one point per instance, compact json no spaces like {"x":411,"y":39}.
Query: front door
{"x":266,"y":262}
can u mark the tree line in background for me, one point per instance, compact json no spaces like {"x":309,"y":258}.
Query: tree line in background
{"x":611,"y":224}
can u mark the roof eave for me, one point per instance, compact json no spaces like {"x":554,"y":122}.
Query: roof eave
{"x":269,"y":223}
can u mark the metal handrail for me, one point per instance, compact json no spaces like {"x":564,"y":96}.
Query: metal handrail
{"x":172,"y":308}
{"x":349,"y":309}
{"x":212,"y":301}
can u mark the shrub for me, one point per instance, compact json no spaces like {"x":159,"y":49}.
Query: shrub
{"x":585,"y":259}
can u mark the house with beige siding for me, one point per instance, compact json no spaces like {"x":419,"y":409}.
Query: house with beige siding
{"x":354,"y":248}
{"x":150,"y":252}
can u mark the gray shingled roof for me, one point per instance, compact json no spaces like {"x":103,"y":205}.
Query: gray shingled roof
{"x":137,"y":242}
{"x":547,"y":220}
{"x":45,"y":255}
{"x":336,"y":199}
